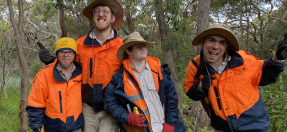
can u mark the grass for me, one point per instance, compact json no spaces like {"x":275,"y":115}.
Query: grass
{"x":10,"y":102}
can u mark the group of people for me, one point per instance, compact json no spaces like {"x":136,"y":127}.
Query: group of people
{"x":101,"y":83}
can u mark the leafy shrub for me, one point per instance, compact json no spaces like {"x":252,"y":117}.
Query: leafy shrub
{"x":275,"y":98}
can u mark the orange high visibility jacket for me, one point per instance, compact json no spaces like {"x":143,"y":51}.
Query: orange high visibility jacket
{"x":99,"y":63}
{"x":125,"y":89}
{"x":234,"y":97}
{"x":55,"y":102}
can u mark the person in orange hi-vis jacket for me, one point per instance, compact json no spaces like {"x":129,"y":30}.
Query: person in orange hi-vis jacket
{"x":55,"y":98}
{"x":226,"y":79}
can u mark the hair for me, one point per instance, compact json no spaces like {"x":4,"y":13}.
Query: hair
{"x":126,"y":54}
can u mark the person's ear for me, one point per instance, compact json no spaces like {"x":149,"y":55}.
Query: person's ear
{"x":113,"y":19}
{"x":128,"y":51}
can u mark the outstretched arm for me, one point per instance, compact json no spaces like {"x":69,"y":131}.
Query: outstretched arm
{"x":273,"y":66}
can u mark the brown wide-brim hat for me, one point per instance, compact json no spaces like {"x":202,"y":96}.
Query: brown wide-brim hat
{"x":217,"y":30}
{"x":132,"y":39}
{"x":112,"y":4}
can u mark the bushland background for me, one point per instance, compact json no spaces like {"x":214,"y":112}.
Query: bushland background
{"x":172,"y":24}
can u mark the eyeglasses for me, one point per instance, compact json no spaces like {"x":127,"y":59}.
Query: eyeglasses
{"x":69,"y":53}
{"x":104,"y":11}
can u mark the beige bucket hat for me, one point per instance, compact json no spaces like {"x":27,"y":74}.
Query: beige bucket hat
{"x":132,"y":39}
{"x":219,"y":30}
{"x":113,"y":4}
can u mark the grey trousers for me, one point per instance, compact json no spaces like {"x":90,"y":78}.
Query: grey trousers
{"x":98,"y":122}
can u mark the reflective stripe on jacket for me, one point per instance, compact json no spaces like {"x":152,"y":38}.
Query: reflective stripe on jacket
{"x":124,"y":87}
{"x":55,"y":102}
{"x":99,"y":63}
{"x":234,"y":97}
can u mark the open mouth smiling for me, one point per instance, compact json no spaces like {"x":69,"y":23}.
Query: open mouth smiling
{"x":101,"y":20}
{"x":213,"y":53}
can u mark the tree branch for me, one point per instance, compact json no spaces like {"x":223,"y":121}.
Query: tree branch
{"x":51,"y":34}
{"x":126,"y":32}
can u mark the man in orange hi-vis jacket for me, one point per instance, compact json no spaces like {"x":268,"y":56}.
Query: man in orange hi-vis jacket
{"x":55,"y":98}
{"x":227,"y":78}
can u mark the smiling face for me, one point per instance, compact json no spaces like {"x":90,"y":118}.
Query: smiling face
{"x":65,"y":58}
{"x":137,"y":52}
{"x":103,"y":18}
{"x":214,"y":48}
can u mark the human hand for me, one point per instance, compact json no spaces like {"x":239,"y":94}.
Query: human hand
{"x":167,"y":127}
{"x":281,"y":52}
{"x":44,"y":54}
{"x":206,"y":83}
{"x":136,"y":119}
{"x":166,"y":69}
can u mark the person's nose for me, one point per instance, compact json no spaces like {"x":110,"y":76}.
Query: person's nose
{"x":216,"y":45}
{"x":101,"y":13}
{"x":66,"y":54}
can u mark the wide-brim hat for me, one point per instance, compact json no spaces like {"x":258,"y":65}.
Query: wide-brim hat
{"x":217,"y":30}
{"x":132,"y":39}
{"x":112,"y":4}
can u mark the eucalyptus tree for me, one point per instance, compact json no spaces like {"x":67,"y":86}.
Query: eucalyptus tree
{"x":18,"y":30}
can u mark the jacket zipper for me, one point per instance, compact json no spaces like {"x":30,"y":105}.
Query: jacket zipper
{"x":91,"y":67}
{"x":60,"y":100}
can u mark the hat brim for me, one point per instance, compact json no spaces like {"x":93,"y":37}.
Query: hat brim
{"x":122,"y":49}
{"x":112,"y":4}
{"x":217,"y":32}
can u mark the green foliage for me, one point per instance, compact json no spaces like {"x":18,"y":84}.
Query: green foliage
{"x":189,"y":122}
{"x":275,"y":98}
{"x":36,"y":65}
{"x":9,"y":111}
{"x":185,"y":99}
{"x":44,"y":10}
{"x":10,"y":103}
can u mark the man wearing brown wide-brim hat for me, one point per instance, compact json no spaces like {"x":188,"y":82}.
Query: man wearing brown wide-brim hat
{"x":141,"y":97}
{"x":97,"y":54}
{"x":225,"y":79}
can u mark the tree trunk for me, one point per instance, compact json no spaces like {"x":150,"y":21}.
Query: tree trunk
{"x":61,"y":21}
{"x":241,"y":27}
{"x":129,"y":19}
{"x":202,"y":18}
{"x":18,"y":30}
{"x":3,"y":78}
{"x":247,"y":28}
{"x":166,"y":50}
{"x":202,"y":24}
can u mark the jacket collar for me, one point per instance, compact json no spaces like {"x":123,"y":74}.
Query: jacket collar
{"x":153,"y":63}
{"x":236,"y":60}
{"x":59,"y":78}
{"x":90,"y":42}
